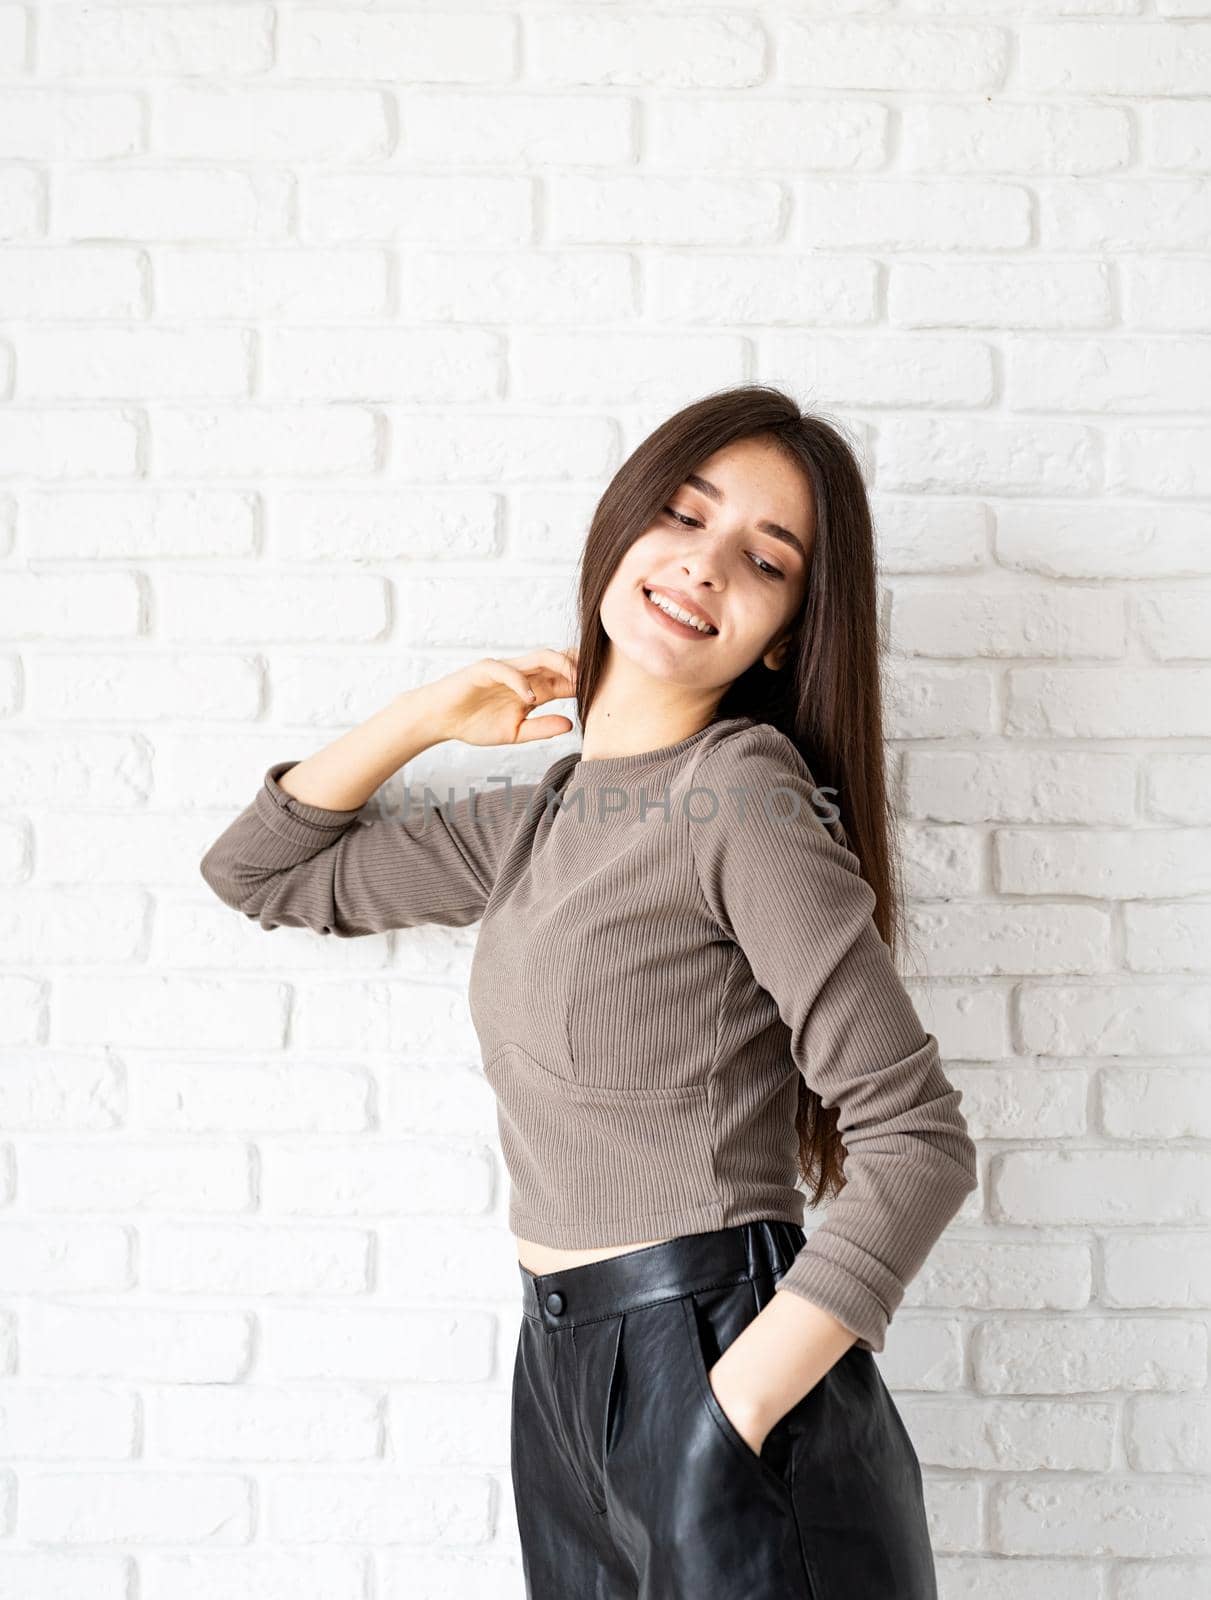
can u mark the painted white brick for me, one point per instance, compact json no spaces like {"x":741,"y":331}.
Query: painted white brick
{"x":1012,"y":1435}
{"x":776,"y":134}
{"x":282,"y":606}
{"x":258,"y":1423}
{"x":986,"y":1578}
{"x":878,"y":54}
{"x":122,"y":1176}
{"x":454,"y":130}
{"x":981,"y":1275}
{"x":142,"y":688}
{"x":1031,"y":137}
{"x":303,"y":441}
{"x":1100,"y":1187}
{"x":398,"y":47}
{"x":996,"y":294}
{"x":163,"y":1013}
{"x":38,"y":1257}
{"x":778,"y":289}
{"x":257,"y":1261}
{"x":930,"y":537}
{"x":173,"y":204}
{"x":145,"y":1507}
{"x":501,"y":448}
{"x":75,"y":769}
{"x":272,"y":125}
{"x":1174,"y":625}
{"x":1021,"y":1102}
{"x":954,"y":1510}
{"x":1142,"y":58}
{"x":238,"y":1096}
{"x":1163,"y":461}
{"x":418,"y":208}
{"x":963,"y":940}
{"x":1076,"y":1355}
{"x":1092,"y":703}
{"x":137,"y":1343}
{"x":1106,"y":375}
{"x":376,"y":1345}
{"x":1111,"y":1517}
{"x":23,"y":203}
{"x":932,"y":702}
{"x":675,"y":51}
{"x":1019,"y":785}
{"x":895,"y":214}
{"x":22,"y":1021}
{"x":1157,"y":1269}
{"x":1168,"y":1435}
{"x":417,"y":366}
{"x":1121,"y":214}
{"x":888,"y":370}
{"x":413,"y":1178}
{"x":1071,"y":541}
{"x":1007,"y":622}
{"x":276,"y":284}
{"x":1176,"y":294}
{"x":142,"y":41}
{"x":13,"y":34}
{"x":547,"y":286}
{"x":61,"y":1090}
{"x":992,"y":457}
{"x":382,"y":525}
{"x":379,"y":1508}
{"x":311,"y":1573}
{"x":48,"y":283}
{"x":143,"y":524}
{"x":1138,"y":863}
{"x":47,"y":1422}
{"x":1113,"y":1020}
{"x":44,"y":124}
{"x":592,"y":369}
{"x":113,"y":363}
{"x":654,"y":209}
{"x":75,"y":442}
{"x":1176,"y":1580}
{"x":1156,"y":1103}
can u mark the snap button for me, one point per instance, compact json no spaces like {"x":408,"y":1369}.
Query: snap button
{"x":555,"y":1302}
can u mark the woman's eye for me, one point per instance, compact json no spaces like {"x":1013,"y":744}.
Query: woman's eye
{"x":686,"y":522}
{"x":770,"y":571}
{"x":765,"y":567}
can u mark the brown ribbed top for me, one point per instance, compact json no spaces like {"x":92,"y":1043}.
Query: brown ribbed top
{"x":668,"y":939}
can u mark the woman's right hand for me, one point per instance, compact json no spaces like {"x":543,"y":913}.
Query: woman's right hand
{"x":488,"y":702}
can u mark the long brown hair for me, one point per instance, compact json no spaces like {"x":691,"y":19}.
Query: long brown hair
{"x":827,"y":696}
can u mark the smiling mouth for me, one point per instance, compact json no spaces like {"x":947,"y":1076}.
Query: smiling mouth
{"x":679,"y":614}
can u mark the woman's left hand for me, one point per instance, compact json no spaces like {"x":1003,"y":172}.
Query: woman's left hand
{"x":751,"y":1428}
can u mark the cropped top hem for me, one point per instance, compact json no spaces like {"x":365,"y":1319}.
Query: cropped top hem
{"x":633,"y":1227}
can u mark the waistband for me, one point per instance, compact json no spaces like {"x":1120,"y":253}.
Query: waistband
{"x":665,"y":1271}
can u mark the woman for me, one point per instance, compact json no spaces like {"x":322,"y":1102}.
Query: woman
{"x":686,"y":1002}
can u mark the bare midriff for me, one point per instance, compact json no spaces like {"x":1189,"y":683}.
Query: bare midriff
{"x":540,"y":1258}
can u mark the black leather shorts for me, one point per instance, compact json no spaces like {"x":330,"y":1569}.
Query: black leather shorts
{"x":629,"y":1481}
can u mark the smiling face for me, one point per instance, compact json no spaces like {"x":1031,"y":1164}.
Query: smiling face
{"x":712,"y":585}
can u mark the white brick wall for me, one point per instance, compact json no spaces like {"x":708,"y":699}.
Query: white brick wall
{"x":323,"y":326}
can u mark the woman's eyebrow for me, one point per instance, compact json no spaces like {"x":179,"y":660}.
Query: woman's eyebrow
{"x":774,"y":529}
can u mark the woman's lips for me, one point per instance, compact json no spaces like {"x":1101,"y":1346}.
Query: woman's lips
{"x":684,"y":629}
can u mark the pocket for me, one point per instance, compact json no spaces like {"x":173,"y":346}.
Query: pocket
{"x":694,"y":1315}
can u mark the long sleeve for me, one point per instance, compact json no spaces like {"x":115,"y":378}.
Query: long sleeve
{"x":793,"y":898}
{"x":288,"y":864}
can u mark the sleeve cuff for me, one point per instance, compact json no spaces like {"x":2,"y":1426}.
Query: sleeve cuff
{"x":294,"y":820}
{"x":834,"y":1275}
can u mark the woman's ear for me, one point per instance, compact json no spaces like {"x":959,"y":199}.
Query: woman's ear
{"x":775,"y":656}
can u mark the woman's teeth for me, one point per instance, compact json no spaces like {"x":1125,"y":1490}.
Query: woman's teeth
{"x":678,"y":614}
